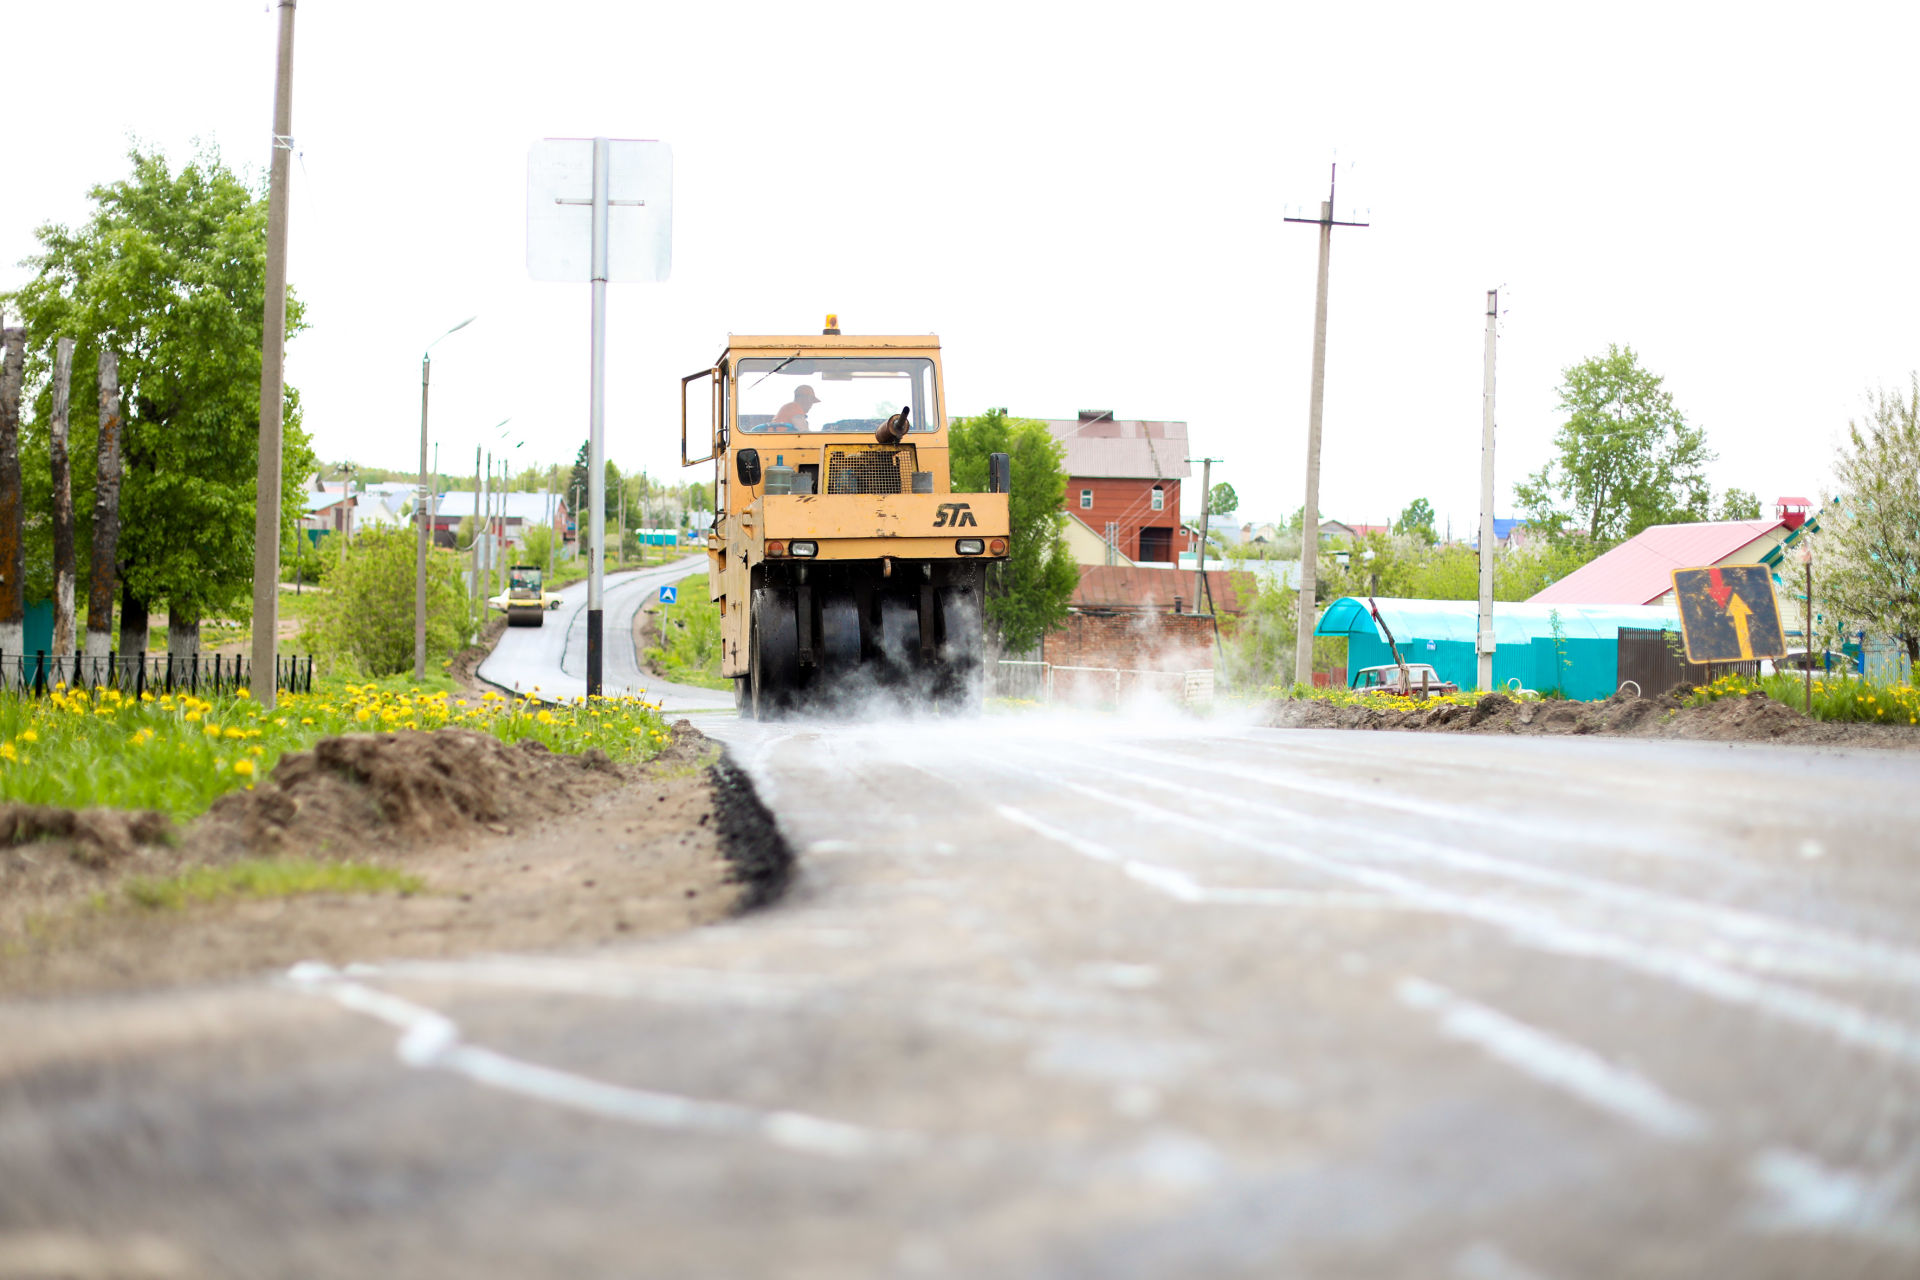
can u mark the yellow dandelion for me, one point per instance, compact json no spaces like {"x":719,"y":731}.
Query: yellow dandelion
{"x":28,"y":735}
{"x":7,"y":752}
{"x":243,"y":767}
{"x":363,"y":715}
{"x":242,"y":694}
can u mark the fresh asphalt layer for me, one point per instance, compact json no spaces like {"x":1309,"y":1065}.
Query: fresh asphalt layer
{"x":1062,"y":995}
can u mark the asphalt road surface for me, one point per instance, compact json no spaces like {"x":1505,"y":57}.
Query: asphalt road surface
{"x":552,"y":658}
{"x":1084,"y":996}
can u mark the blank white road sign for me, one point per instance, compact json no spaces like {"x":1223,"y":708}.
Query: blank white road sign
{"x":560,"y":209}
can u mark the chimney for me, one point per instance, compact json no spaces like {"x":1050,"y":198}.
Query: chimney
{"x":1095,"y":415}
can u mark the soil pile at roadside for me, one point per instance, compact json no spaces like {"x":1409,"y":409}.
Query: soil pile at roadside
{"x":398,"y":788}
{"x":465,"y":667}
{"x":518,"y":848}
{"x":1754,"y":718}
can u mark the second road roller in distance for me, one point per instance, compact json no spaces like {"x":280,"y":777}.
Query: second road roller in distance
{"x":840,"y":557}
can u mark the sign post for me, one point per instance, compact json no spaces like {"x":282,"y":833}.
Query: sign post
{"x":599,"y":209}
{"x":1729,"y":614}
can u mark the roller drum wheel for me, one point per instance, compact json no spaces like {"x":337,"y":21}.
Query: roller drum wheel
{"x":958,"y":681}
{"x":775,"y":656}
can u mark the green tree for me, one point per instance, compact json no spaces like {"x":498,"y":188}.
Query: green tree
{"x":1739,"y":504}
{"x":1028,"y":596}
{"x":1222,"y":500}
{"x":1626,"y":457}
{"x":1867,"y":553}
{"x":1256,"y":647}
{"x":1417,"y":521}
{"x":365,"y":619}
{"x":170,"y":272}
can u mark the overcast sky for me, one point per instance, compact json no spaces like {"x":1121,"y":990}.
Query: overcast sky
{"x":1083,"y":201}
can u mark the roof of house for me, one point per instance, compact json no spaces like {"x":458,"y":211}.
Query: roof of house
{"x":1133,"y":587}
{"x":1640,"y":570}
{"x":457,"y":504}
{"x":1513,"y":623}
{"x":1102,"y":447}
{"x":1504,"y":527}
{"x":322,"y":501}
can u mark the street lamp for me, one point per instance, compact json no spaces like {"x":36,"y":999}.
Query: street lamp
{"x":426,"y":519}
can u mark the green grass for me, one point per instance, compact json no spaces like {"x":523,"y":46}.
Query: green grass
{"x":178,"y":753}
{"x":1847,"y":701}
{"x":264,"y":878}
{"x":689,"y":638}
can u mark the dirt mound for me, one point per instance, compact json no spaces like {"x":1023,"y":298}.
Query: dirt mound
{"x":465,"y":668}
{"x":406,"y":786}
{"x":99,"y":836}
{"x":1754,"y":718}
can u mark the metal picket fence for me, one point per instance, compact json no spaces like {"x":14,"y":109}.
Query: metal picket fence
{"x":34,"y":674}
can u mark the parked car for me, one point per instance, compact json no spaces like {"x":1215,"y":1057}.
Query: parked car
{"x":1420,"y":679}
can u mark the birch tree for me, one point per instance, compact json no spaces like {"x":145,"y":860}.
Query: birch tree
{"x":1867,"y":553}
{"x":169,"y":274}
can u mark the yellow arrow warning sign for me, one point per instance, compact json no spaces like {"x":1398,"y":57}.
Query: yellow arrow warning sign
{"x":1728,"y":613}
{"x":1740,"y":615}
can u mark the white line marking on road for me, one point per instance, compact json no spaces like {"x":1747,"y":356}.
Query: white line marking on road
{"x":1560,"y":1064}
{"x":1863,"y":959}
{"x":1483,"y":1261}
{"x":431,"y":1041}
{"x":1803,"y":1195}
{"x":1548,"y":932}
{"x":1182,"y":887}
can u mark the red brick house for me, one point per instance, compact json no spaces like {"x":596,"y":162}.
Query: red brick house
{"x":1123,"y":481}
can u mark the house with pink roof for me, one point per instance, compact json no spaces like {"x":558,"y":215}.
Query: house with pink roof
{"x":1640,"y":570}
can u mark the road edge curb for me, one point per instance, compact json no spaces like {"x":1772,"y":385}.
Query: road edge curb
{"x":750,"y":839}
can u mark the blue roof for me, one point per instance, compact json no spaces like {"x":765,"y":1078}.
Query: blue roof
{"x":1501,"y":528}
{"x":1518,"y":622}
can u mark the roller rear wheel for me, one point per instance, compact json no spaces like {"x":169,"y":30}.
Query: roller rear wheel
{"x":773,"y":661}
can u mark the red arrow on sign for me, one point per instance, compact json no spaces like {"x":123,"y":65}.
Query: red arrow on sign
{"x":1717,"y":588}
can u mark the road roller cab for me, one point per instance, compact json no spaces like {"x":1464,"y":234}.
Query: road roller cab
{"x":840,"y":556}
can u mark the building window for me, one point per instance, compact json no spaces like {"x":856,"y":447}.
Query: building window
{"x":1086,"y":499}
{"x":1159,"y":498}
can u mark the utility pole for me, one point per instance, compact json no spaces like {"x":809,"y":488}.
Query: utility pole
{"x":620,"y":548}
{"x":597,"y":407}
{"x":477,"y":597}
{"x":1310,"y":518}
{"x":1484,"y":641}
{"x":266,"y":518}
{"x":1200,"y":556}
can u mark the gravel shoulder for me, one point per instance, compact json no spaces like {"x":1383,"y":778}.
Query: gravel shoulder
{"x":518,"y":848}
{"x":1754,"y":718}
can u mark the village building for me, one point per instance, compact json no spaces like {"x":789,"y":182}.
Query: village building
{"x":1123,"y":482}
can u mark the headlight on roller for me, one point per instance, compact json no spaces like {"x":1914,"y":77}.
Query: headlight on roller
{"x":970,"y":546}
{"x":803,"y":548}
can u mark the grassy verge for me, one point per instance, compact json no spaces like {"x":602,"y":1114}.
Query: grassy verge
{"x":1341,"y":696}
{"x":1857,"y":701}
{"x":179,"y":753}
{"x":689,"y":635}
{"x":263,"y":878}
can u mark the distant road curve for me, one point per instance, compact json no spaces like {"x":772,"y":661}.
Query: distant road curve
{"x":551,"y":660}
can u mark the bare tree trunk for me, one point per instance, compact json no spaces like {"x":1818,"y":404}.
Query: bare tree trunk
{"x":106,"y":511}
{"x":13,"y":555}
{"x":183,"y":629}
{"x":133,"y":628}
{"x":62,"y":500}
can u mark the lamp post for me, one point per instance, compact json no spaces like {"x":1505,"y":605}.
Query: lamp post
{"x":421,"y":513}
